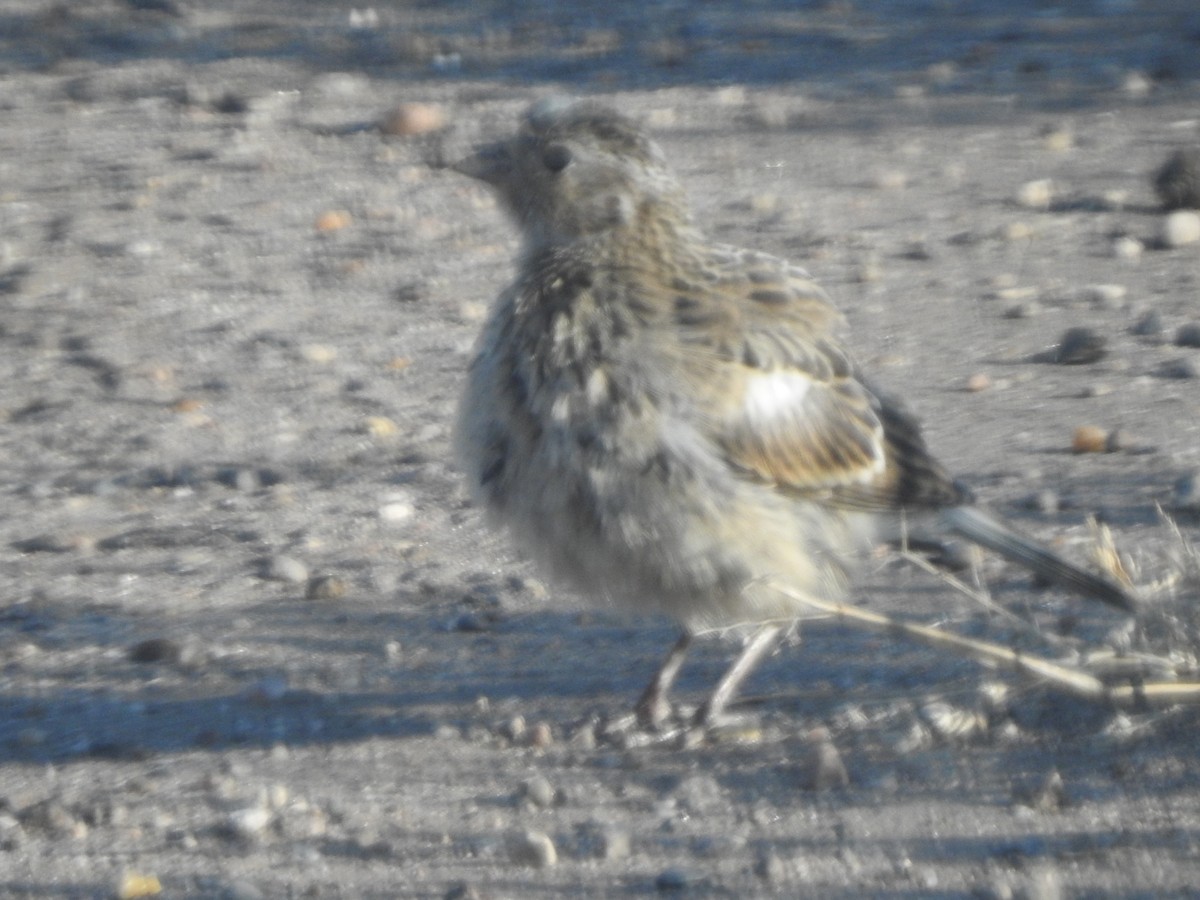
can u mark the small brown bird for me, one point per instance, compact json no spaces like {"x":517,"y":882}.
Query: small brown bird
{"x":674,"y":425}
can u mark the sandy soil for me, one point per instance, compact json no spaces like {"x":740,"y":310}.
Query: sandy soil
{"x":255,"y":643}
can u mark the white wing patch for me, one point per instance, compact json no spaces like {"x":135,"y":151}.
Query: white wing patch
{"x":799,"y":431}
{"x":773,"y":395}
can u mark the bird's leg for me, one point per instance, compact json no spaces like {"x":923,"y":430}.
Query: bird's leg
{"x":653,"y":708}
{"x":756,"y":648}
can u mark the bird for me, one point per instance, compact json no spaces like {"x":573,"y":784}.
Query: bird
{"x":677,"y":426}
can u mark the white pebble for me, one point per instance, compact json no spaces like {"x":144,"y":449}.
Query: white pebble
{"x":539,"y":791}
{"x":1106,"y":296}
{"x":1127,"y":248}
{"x":143,"y":249}
{"x":287,"y":568}
{"x":397,"y":508}
{"x":614,"y":844}
{"x":249,"y":823}
{"x":1017,"y":231}
{"x":534,"y":848}
{"x":1181,"y":227}
{"x":1136,"y":84}
{"x":1036,"y":194}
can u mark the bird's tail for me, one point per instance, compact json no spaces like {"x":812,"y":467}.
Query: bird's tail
{"x":980,"y":528}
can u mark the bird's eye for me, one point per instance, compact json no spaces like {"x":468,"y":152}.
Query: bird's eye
{"x":556,"y":157}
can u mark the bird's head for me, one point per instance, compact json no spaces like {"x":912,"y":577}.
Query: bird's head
{"x":576,"y":169}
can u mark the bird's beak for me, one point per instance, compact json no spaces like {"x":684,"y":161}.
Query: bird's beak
{"x":491,"y":163}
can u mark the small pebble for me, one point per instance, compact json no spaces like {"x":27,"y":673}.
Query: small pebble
{"x":919,"y":250}
{"x":944,"y":72}
{"x":539,"y":791}
{"x":1026,"y":310}
{"x":514,"y":728}
{"x":1089,"y":439}
{"x":321,"y":354}
{"x":1178,"y":181}
{"x":672,"y":880}
{"x":409,"y":119}
{"x":1113,"y":200}
{"x":1136,"y":84}
{"x":541,"y":735}
{"x":1118,"y":439}
{"x":446,"y":62}
{"x":765,"y":203}
{"x":1043,"y":883}
{"x":1015,"y":292}
{"x":135,"y":885}
{"x":286,"y":568}
{"x":380,"y":427}
{"x":1180,"y":228}
{"x":869,"y":271}
{"x":1080,"y":346}
{"x":1186,"y":368}
{"x":1106,"y":296}
{"x":340,"y":85}
{"x":249,"y":824}
{"x":824,"y":769}
{"x":614,"y":844}
{"x":472,"y":622}
{"x":333,"y":220}
{"x":1046,"y":502}
{"x":397,"y":508}
{"x":1036,"y":194}
{"x":1149,"y":324}
{"x":1127,"y":248}
{"x":143,"y":249}
{"x":584,"y":737}
{"x":156,"y":650}
{"x":1017,"y":231}
{"x":1188,"y":335}
{"x":1186,"y":495}
{"x":472,"y":311}
{"x":769,"y":867}
{"x":363,"y":19}
{"x":978,"y":382}
{"x":325,"y":587}
{"x":410,"y":292}
{"x":1058,"y":138}
{"x":240,"y":479}
{"x":534,"y":848}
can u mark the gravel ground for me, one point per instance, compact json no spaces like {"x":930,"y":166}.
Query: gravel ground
{"x":254,"y":642}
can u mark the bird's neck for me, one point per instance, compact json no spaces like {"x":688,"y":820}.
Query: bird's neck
{"x":655,"y":239}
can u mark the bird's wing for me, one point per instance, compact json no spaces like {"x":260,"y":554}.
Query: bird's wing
{"x":793,"y":409}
